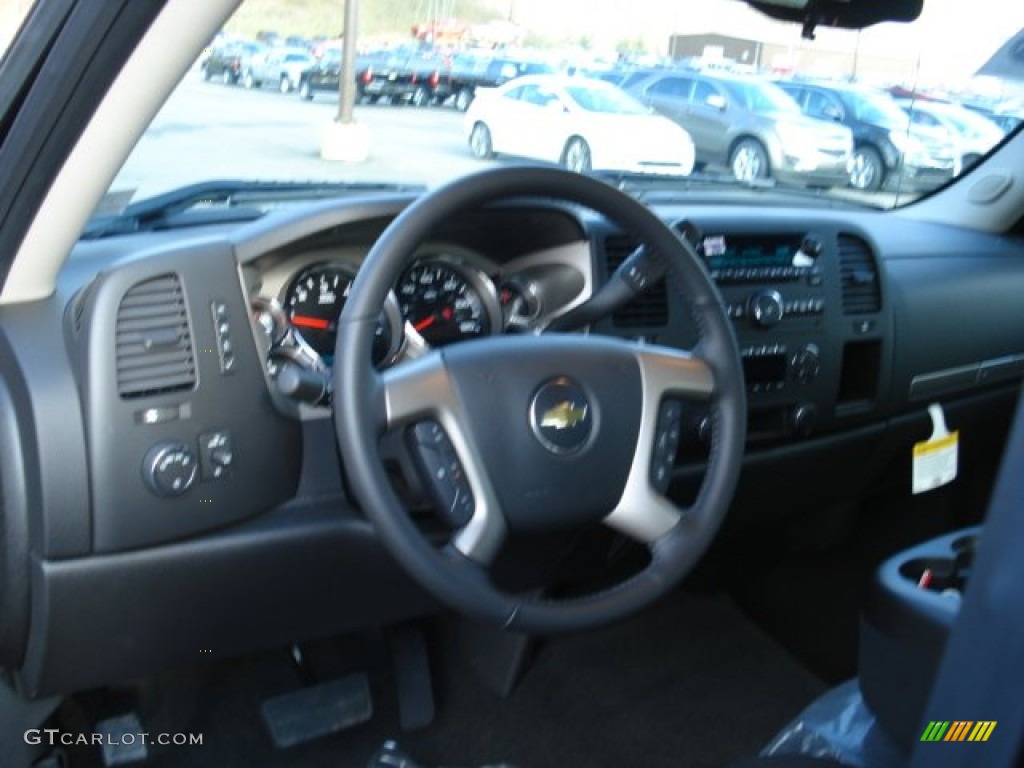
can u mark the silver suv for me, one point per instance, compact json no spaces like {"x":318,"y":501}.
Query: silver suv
{"x":750,"y":126}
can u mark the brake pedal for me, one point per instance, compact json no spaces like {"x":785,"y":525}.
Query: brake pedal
{"x":413,"y":680}
{"x":309,"y":713}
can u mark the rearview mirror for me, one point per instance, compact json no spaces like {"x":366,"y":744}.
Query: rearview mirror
{"x":847,"y":14}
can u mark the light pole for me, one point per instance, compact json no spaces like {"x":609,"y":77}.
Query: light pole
{"x":343,"y":139}
{"x":347,"y":76}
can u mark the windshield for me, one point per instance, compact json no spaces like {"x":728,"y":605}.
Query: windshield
{"x":611,"y":100}
{"x":420,"y":70}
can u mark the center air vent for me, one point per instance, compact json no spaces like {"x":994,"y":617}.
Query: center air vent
{"x":861,"y":293}
{"x":648,"y":310}
{"x":154,"y":344}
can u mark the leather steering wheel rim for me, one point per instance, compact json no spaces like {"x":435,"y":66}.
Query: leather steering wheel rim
{"x":364,"y":403}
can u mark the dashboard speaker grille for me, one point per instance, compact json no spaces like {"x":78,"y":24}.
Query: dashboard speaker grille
{"x":647,"y":310}
{"x":861,"y":293}
{"x":154,"y":342}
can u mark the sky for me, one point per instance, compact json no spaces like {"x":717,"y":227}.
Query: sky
{"x":952,"y":37}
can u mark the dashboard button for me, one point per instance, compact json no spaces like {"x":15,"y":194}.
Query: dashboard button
{"x":216,"y":456}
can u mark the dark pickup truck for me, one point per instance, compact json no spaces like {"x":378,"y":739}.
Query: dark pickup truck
{"x":399,"y":76}
{"x":417,"y":77}
{"x":471,"y":71}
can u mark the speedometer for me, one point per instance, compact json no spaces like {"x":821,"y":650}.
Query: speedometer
{"x":445,"y":302}
{"x":314,"y":301}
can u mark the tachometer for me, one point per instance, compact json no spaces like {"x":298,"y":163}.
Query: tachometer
{"x":445,"y":302}
{"x":314,"y":300}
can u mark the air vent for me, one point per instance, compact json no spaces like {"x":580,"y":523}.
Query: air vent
{"x":154,"y":345}
{"x":647,"y":310}
{"x":861,"y":294}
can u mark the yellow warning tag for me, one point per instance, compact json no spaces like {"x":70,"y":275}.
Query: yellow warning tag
{"x":935,"y":459}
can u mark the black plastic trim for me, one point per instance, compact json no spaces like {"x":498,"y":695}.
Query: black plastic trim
{"x":56,"y":108}
{"x":299,"y":572}
{"x":14,"y":534}
{"x":265,"y":444}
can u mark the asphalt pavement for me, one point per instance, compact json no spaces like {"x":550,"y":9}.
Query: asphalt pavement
{"x":210,"y":130}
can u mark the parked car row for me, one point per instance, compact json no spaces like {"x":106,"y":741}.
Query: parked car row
{"x":580,"y":123}
{"x":890,"y":150}
{"x":404,"y":75}
{"x":810,"y":133}
{"x":751,"y":126}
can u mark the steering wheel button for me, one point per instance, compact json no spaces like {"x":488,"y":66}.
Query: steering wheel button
{"x":429,"y":433}
{"x":671,"y":412}
{"x":442,"y":473}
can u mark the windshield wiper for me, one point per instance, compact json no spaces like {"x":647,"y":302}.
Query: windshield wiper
{"x":221,"y":201}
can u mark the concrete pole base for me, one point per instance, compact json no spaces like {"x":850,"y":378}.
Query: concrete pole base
{"x":345,"y":142}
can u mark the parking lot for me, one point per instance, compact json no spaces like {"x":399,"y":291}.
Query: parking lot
{"x":422,"y":145}
{"x":412,"y":145}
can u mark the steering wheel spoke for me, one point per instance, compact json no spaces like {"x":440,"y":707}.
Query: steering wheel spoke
{"x":668,"y":377}
{"x":420,"y":396}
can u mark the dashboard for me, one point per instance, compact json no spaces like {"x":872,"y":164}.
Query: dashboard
{"x":182,"y":449}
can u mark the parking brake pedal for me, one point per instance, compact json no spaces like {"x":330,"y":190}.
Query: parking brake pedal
{"x":309,"y":713}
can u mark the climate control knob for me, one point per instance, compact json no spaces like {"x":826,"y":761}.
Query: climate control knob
{"x":805,"y":364}
{"x":169,"y":468}
{"x":765,"y":308}
{"x":805,"y":416}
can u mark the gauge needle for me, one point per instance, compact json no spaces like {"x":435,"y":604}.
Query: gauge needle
{"x":425,"y":323}
{"x":310,"y":322}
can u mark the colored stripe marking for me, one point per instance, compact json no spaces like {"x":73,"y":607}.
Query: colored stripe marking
{"x":983,"y":730}
{"x":935,"y":730}
{"x":959,"y":730}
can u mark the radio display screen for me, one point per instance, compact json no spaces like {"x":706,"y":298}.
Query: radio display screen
{"x":745,"y":252}
{"x":767,"y":369}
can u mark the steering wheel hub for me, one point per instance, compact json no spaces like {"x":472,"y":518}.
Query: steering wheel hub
{"x":561,"y":416}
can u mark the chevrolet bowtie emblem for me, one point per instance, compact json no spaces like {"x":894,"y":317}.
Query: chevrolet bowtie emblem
{"x":564,"y":415}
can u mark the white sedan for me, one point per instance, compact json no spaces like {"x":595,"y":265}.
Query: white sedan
{"x":582,"y":124}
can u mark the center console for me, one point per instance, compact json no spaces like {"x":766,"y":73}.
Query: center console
{"x":774,"y":287}
{"x":913,"y":602}
{"x":807,"y":308}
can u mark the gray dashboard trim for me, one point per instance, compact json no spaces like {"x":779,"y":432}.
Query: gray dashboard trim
{"x":964,"y":377}
{"x":281,"y":228}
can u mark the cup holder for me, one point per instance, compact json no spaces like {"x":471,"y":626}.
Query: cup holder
{"x":912,"y":604}
{"x":944,"y":575}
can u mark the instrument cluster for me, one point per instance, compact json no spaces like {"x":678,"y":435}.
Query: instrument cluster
{"x":445,"y":296}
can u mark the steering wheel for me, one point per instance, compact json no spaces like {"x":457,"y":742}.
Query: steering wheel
{"x":539,"y":433}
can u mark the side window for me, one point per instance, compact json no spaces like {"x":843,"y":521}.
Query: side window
{"x":921,"y":118}
{"x":672,"y":87}
{"x":796,"y":94}
{"x":822,"y":106}
{"x":705,"y":94}
{"x":537,"y":95}
{"x":519,"y":94}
